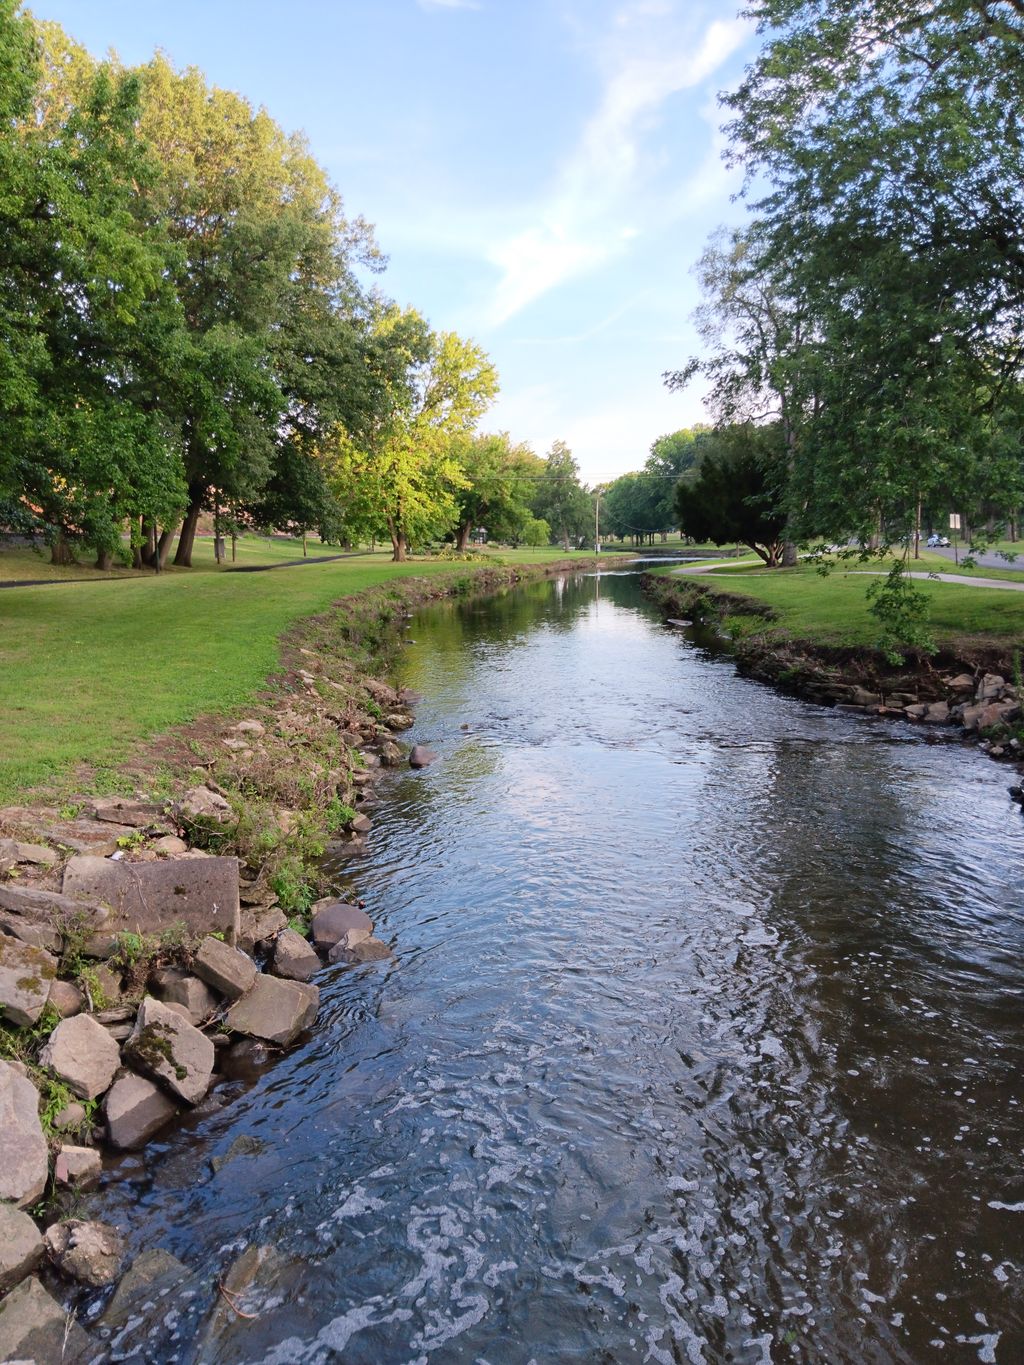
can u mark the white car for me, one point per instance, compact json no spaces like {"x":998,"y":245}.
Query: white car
{"x":937,"y":542}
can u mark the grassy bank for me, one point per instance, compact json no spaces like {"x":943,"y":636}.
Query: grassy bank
{"x":91,"y":670}
{"x":833,"y":610}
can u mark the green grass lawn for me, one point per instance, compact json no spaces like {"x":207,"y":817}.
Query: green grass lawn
{"x":833,"y":610}
{"x":90,"y":670}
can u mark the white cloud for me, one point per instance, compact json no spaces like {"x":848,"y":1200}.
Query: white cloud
{"x":585,"y":221}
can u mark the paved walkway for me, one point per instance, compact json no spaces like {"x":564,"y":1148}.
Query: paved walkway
{"x":962,"y":580}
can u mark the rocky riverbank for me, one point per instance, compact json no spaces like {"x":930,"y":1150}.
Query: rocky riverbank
{"x":972,"y":690}
{"x":153,"y":940}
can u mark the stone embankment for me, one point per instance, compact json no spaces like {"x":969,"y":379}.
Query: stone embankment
{"x":153,"y":941}
{"x":972,"y":690}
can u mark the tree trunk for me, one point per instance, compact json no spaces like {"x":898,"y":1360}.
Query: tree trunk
{"x":304,"y":552}
{"x":164,"y":545}
{"x":789,"y":555}
{"x":462,"y":537}
{"x":60,"y":551}
{"x":148,"y":542}
{"x":917,"y":530}
{"x":104,"y":560}
{"x":137,"y":557}
{"x":186,"y":540}
{"x":399,"y":547}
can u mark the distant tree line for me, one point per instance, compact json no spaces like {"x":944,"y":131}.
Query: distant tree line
{"x":189,"y":327}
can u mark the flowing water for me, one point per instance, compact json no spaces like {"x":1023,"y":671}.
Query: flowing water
{"x":702,"y":1039}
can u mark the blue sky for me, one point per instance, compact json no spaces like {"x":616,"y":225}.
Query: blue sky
{"x":542,"y":174}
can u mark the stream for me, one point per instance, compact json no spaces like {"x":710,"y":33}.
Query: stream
{"x":701,"y":1042}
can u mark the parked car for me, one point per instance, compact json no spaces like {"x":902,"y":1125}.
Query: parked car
{"x":937,"y":542}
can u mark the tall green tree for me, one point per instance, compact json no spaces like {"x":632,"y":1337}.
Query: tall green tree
{"x":735,"y":498}
{"x":500,"y":482}
{"x":400,"y":475}
{"x":561,"y":499}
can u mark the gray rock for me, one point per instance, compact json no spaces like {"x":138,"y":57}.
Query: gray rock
{"x":168,"y":1048}
{"x":149,"y":1278}
{"x":169,"y":844}
{"x":71,"y":1116}
{"x":180,"y":988}
{"x":82,"y":1053}
{"x":225,"y":968}
{"x":13,"y":851}
{"x":916,"y":712}
{"x":971,"y":716}
{"x":89,"y":1252}
{"x":21,"y":1246}
{"x":963,"y":682}
{"x":361,"y":824}
{"x":45,"y":906}
{"x":25,"y":976}
{"x":390,"y":755}
{"x":122,"y":810}
{"x":202,"y":806}
{"x":135,"y":1109}
{"x":35,"y":1330}
{"x":275,"y":1010}
{"x":201,"y":894}
{"x":990,"y":687}
{"x":998,"y":713}
{"x":250,"y":727}
{"x":80,"y":1167}
{"x":937,"y":713}
{"x":332,"y":919}
{"x":260,"y":923}
{"x":244,"y":1145}
{"x":31,"y":931}
{"x":362,"y":950}
{"x":294,"y":958}
{"x":66,"y":998}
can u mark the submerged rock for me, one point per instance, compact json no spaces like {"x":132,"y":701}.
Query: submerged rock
{"x":89,"y":1252}
{"x":421,"y":756}
{"x":294,"y":958}
{"x":333,"y":919}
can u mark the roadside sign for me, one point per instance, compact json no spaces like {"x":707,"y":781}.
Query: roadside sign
{"x":954,"y":521}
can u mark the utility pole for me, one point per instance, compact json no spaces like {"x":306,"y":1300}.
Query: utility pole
{"x":597,"y":520}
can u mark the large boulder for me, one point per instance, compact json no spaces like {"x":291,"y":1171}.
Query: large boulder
{"x":167,"y":1047}
{"x":35,"y":1328}
{"x":275,"y":1010}
{"x":25,"y":976}
{"x":123,"y":810}
{"x":89,"y":1252}
{"x":199,"y":893}
{"x":332,"y":920}
{"x":23,"y":1153}
{"x":82,"y":1053}
{"x":421,"y":756}
{"x":135,"y":1109}
{"x":362,"y":949}
{"x":294,"y":958}
{"x":21,"y":1246}
{"x":224,"y":968}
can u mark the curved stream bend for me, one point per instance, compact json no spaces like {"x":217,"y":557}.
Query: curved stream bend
{"x":702,"y":1040}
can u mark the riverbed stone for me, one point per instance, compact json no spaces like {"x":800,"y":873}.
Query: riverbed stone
{"x":23,"y":1152}
{"x":364,"y":948}
{"x":79,"y":1167}
{"x":189,"y":992}
{"x":990,"y":687}
{"x":169,"y":845}
{"x":168,"y":1048}
{"x":66,"y":998}
{"x":151,"y":1277}
{"x":31,"y":931}
{"x":124,"y":810}
{"x":135,"y":1109}
{"x":203,"y":806}
{"x":35,"y":1330}
{"x":200,"y":894}
{"x":998,"y":713}
{"x":226,"y":969}
{"x":937,"y":713}
{"x":90,"y":1252}
{"x":26,"y":972}
{"x":21,"y":1246}
{"x":259,"y":924}
{"x":971,"y":716}
{"x":82,"y":1054}
{"x":294,"y":958}
{"x":275,"y":1010}
{"x":421,"y":756}
{"x":71,"y":1116}
{"x":332,"y":920}
{"x":963,"y":682}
